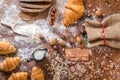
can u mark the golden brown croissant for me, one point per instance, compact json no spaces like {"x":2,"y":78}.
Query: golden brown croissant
{"x":73,"y":10}
{"x":18,"y":76}
{"x":37,"y":74}
{"x":9,"y":63}
{"x":6,"y":47}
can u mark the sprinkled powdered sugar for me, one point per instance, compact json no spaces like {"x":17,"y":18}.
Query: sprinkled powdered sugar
{"x":23,"y":53}
{"x":73,"y":30}
{"x":20,"y":38}
{"x":11,"y":13}
{"x":23,"y":68}
{"x":33,"y":29}
{"x":61,"y":4}
{"x":1,"y":8}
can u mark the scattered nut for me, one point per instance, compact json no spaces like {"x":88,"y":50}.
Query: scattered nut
{"x":51,"y":23}
{"x":109,"y":57}
{"x":53,"y":18}
{"x":93,"y":9}
{"x":83,"y":24}
{"x":53,"y":41}
{"x":54,"y":10}
{"x":71,"y":40}
{"x":52,"y":15}
{"x":81,"y":31}
{"x":55,"y":47}
{"x":98,"y":13}
{"x":63,"y":43}
{"x":41,"y":36}
{"x":89,"y":15}
{"x":78,"y":39}
{"x":63,"y":36}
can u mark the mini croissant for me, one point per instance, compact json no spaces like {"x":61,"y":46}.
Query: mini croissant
{"x":9,"y":63}
{"x":73,"y":10}
{"x":6,"y":48}
{"x":37,"y":74}
{"x":18,"y":76}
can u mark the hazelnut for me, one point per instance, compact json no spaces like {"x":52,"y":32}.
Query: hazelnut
{"x":71,"y":41}
{"x":63,"y":43}
{"x":53,"y":18}
{"x":54,"y":10}
{"x":83,"y":31}
{"x":53,"y":41}
{"x":78,"y":39}
{"x":55,"y":47}
{"x":83,"y":24}
{"x":89,"y":15}
{"x":51,"y":23}
{"x":98,"y":13}
{"x":41,"y":36}
{"x":52,"y":14}
{"x":63,"y":36}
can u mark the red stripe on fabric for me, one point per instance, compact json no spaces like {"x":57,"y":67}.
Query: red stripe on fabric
{"x":103,"y":32}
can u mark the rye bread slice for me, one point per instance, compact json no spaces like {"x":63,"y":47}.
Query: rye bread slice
{"x":30,"y":10}
{"x":28,"y":16}
{"x":35,"y":0}
{"x":34,"y":5}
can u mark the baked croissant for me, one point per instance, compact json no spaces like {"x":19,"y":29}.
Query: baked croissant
{"x":18,"y":76}
{"x":73,"y":10}
{"x":9,"y":63}
{"x":6,"y":47}
{"x":37,"y":74}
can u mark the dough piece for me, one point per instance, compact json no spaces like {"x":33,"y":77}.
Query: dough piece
{"x":73,"y":10}
{"x":28,"y":16}
{"x":9,"y":63}
{"x":18,"y":76}
{"x":37,"y":74}
{"x":6,"y":47}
